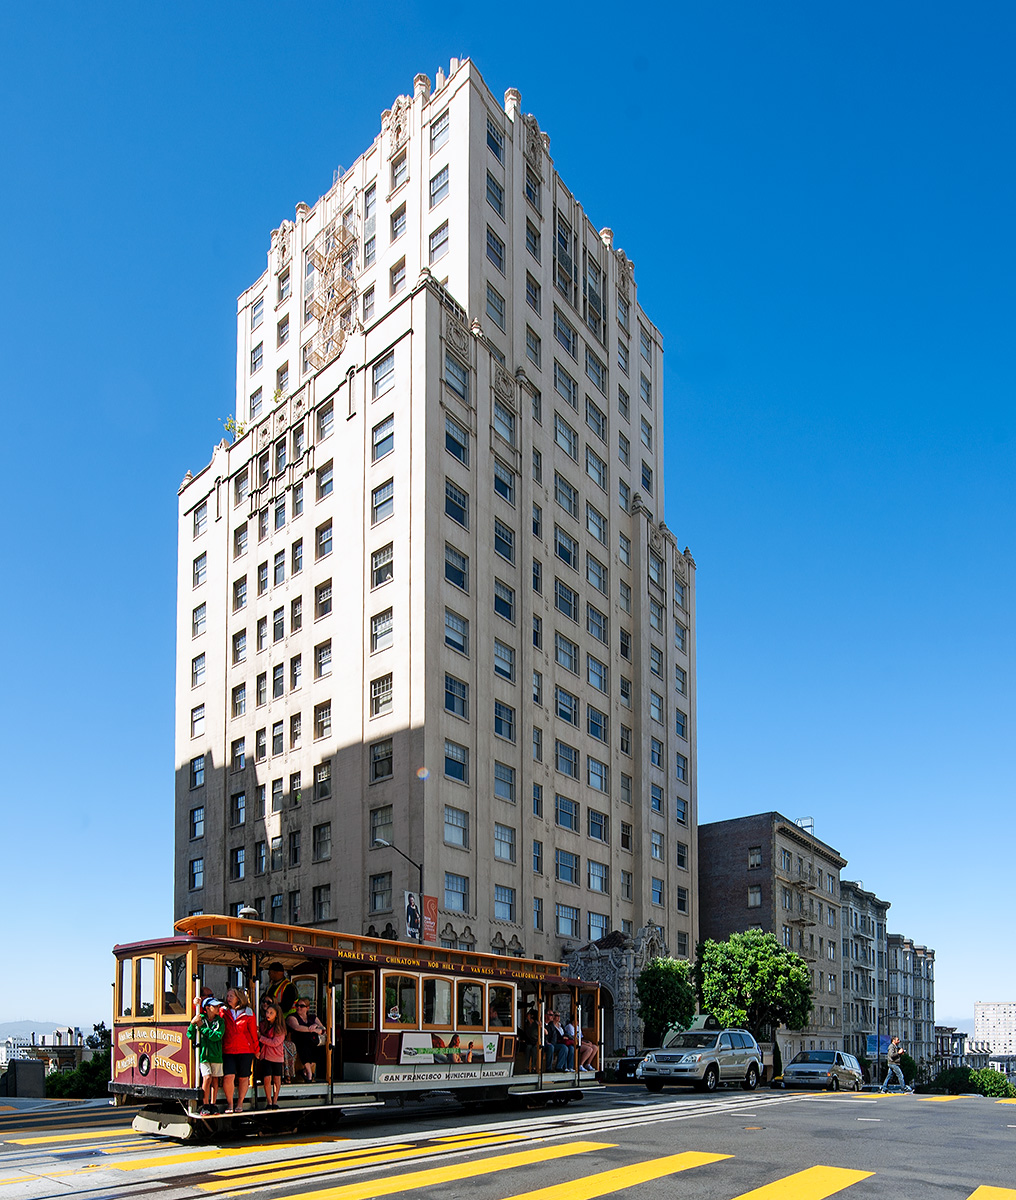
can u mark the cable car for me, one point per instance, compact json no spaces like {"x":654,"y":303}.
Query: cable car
{"x":401,"y":1019}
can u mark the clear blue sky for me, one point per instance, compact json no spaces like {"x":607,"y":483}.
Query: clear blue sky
{"x":819,"y":202}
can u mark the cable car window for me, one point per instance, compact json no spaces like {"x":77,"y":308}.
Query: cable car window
{"x":469,"y":1005}
{"x":360,"y":1000}
{"x":400,"y":999}
{"x":437,"y":1003}
{"x":126,"y":987}
{"x":501,"y":1007}
{"x":146,"y":987}
{"x":174,"y":984}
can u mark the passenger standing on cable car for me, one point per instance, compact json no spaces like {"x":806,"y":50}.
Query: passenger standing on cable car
{"x":305,"y":1031}
{"x":239,"y":1047}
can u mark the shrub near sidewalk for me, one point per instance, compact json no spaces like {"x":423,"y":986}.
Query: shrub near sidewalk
{"x":985,"y":1082}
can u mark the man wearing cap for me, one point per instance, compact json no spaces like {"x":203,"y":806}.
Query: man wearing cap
{"x":208,"y":1029}
{"x":281,"y":991}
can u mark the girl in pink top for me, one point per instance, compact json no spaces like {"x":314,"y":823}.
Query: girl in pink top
{"x":271,"y":1053}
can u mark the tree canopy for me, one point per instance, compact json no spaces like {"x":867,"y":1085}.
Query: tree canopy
{"x":666,"y":996}
{"x":752,"y":981}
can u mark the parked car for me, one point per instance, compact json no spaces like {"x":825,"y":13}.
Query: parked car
{"x":833,"y":1069}
{"x":703,"y":1058}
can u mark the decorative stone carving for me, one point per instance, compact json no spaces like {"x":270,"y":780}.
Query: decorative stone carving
{"x":533,"y":143}
{"x":679,"y":567}
{"x":282,"y":245}
{"x":457,"y":336}
{"x":625,"y":274}
{"x":654,"y":538}
{"x":615,"y":962}
{"x":280,"y":418}
{"x":298,"y":406}
{"x":265,"y":431}
{"x":504,"y":385}
{"x":399,"y":122}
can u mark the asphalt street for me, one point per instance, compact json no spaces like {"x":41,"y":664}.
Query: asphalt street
{"x":616,"y":1142}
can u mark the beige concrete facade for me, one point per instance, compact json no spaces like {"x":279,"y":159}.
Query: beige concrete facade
{"x":427,"y":596}
{"x":911,"y":995}
{"x":865,"y":978}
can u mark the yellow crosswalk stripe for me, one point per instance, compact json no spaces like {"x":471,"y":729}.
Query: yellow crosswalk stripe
{"x":937,"y":1099}
{"x":92,"y":1136}
{"x":396,"y":1185}
{"x":193,"y":1156}
{"x":621,"y":1177}
{"x":813,"y":1184}
{"x":280,"y":1172}
{"x":984,"y":1192}
{"x":1005,"y":1101}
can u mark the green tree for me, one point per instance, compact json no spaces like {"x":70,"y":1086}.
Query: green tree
{"x":752,"y":981}
{"x":99,"y":1038}
{"x":909,"y":1068}
{"x":666,"y":997}
{"x":90,"y":1081}
{"x":989,"y":1082}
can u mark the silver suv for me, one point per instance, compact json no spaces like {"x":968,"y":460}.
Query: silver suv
{"x":703,"y":1058}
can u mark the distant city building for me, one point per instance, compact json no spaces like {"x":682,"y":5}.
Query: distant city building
{"x":911,"y":994}
{"x":433,"y":633}
{"x":771,"y":873}
{"x":995,"y":1024}
{"x":950,"y":1048}
{"x":864,"y":968}
{"x":62,"y":1050}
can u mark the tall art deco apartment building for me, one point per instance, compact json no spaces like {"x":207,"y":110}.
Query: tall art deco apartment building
{"x":431,"y":625}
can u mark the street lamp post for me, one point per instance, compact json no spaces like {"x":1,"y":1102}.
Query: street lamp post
{"x":412,"y":862}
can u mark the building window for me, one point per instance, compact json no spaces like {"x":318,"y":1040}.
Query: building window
{"x":495,"y":252}
{"x":256,"y":358}
{"x":495,"y":195}
{"x":596,"y":624}
{"x":566,"y":813}
{"x":566,"y":437}
{"x":682,"y":899}
{"x":504,"y":482}
{"x":682,"y":767}
{"x":504,"y":600}
{"x":197,"y":822}
{"x":323,"y":720}
{"x":598,"y":674}
{"x":566,"y":866}
{"x":322,"y":842}
{"x":397,"y":277}
{"x":439,"y":131}
{"x":456,"y":504}
{"x":656,"y":752}
{"x":381,"y":824}
{"x":504,"y":422}
{"x":456,"y":568}
{"x":456,"y":632}
{"x":438,"y":245}
{"x":504,"y":661}
{"x":567,"y":920}
{"x":504,"y":721}
{"x":197,"y":874}
{"x":381,"y":701}
{"x":199,"y":616}
{"x":566,"y":759}
{"x":657,"y":890}
{"x":504,"y":842}
{"x":456,"y":892}
{"x":495,"y":140}
{"x":400,"y":171}
{"x":456,"y":827}
{"x":566,"y":548}
{"x":456,"y":697}
{"x":381,"y":892}
{"x":533,"y":293}
{"x":382,"y":502}
{"x":682,"y":811}
{"x":382,"y":563}
{"x":566,"y":653}
{"x":495,"y":307}
{"x":197,"y":771}
{"x":457,"y":377}
{"x":456,"y":762}
{"x":456,"y":441}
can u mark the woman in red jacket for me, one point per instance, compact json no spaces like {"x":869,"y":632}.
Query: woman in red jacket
{"x":239,"y":1046}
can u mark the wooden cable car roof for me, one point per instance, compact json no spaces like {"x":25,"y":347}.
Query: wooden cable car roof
{"x":292,"y":944}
